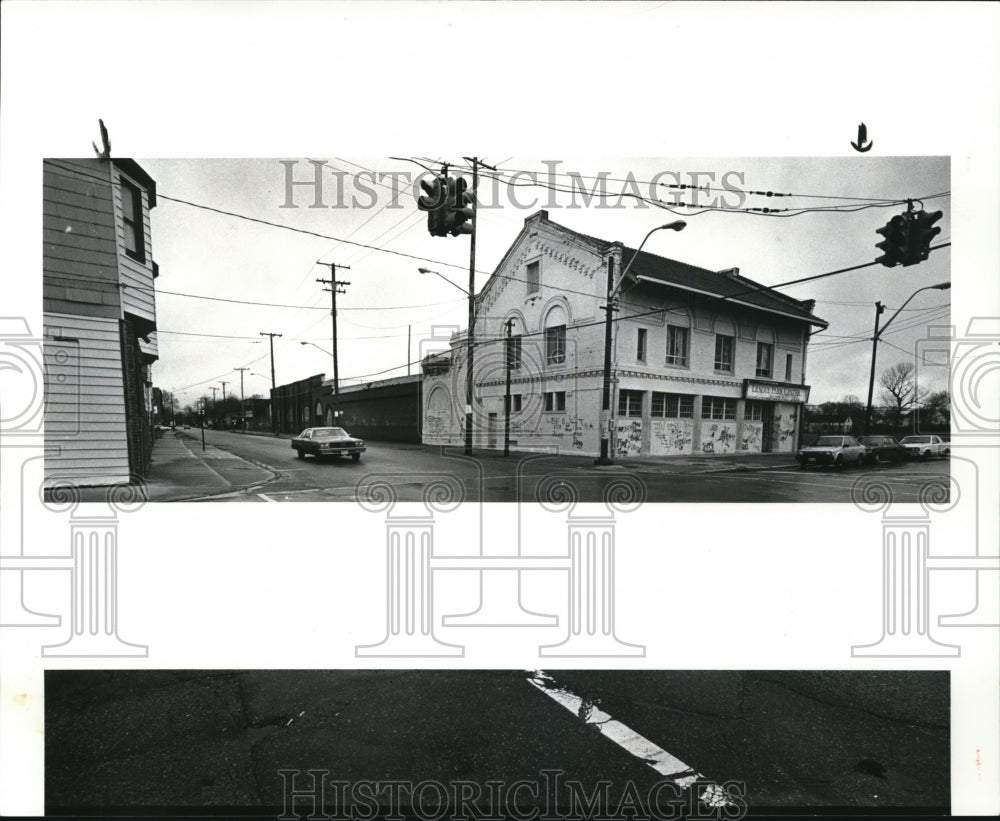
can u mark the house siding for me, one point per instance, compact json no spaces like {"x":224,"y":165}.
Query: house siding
{"x":85,"y":415}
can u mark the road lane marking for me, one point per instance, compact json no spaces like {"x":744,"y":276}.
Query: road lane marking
{"x":654,"y":756}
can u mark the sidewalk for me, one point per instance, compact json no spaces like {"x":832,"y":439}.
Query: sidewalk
{"x":662,"y":465}
{"x":180,"y":470}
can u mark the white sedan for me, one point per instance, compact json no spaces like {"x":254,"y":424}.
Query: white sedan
{"x":832,"y":450}
{"x":925,"y":446}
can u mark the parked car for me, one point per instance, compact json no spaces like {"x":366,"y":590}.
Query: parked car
{"x":925,"y":446}
{"x":327,"y":442}
{"x":832,"y":450}
{"x":882,"y":449}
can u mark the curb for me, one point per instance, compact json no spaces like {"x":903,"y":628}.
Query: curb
{"x":233,"y":488}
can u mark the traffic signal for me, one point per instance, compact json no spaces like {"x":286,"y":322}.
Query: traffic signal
{"x":922,"y":233}
{"x":435,"y":203}
{"x":461,"y":207}
{"x":895,"y":246}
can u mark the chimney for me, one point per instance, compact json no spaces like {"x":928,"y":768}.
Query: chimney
{"x":732,"y":273}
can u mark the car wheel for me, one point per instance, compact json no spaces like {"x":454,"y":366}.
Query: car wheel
{"x":839,"y":462}
{"x":300,"y":454}
{"x":876,"y":459}
{"x":355,"y":457}
{"x":946,"y":452}
{"x":926,"y":454}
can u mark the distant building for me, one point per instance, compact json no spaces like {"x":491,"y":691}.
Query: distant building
{"x":387,"y":410}
{"x":99,"y":316}
{"x":703,"y":361}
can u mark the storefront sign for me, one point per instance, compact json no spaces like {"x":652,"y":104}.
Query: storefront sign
{"x":775,"y":391}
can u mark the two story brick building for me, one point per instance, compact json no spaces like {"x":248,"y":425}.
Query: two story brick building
{"x":99,"y":319}
{"x":703,"y":361}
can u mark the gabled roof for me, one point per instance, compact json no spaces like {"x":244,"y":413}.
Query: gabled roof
{"x":661,"y":271}
{"x":728,"y":285}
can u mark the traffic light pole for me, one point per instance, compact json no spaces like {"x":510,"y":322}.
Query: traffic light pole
{"x":470,"y":337}
{"x":879,"y":309}
{"x":506,"y":406}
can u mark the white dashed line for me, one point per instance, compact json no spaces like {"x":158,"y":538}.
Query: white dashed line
{"x":642,"y":748}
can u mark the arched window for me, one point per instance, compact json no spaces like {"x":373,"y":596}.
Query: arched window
{"x":555,"y":335}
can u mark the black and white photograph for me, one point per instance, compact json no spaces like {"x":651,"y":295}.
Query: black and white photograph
{"x":638,"y":362}
{"x":343,"y":292}
{"x":496,"y":744}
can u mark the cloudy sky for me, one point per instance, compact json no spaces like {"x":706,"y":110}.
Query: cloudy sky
{"x":224,"y":279}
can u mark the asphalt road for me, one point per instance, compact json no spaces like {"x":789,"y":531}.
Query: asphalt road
{"x":198,"y":739}
{"x":493,"y":478}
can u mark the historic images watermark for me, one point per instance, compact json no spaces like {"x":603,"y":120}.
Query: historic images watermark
{"x":316,"y":794}
{"x":315,"y":184}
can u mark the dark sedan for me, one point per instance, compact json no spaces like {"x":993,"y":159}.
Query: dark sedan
{"x":321,"y":442}
{"x":882,"y":449}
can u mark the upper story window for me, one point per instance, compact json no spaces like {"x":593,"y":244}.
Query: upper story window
{"x":534,"y":278}
{"x":765,"y":359}
{"x":132,"y":218}
{"x":514,"y":353}
{"x":677,"y":345}
{"x":640,"y":345}
{"x":555,"y":345}
{"x":724,"y":345}
{"x":788,"y":367}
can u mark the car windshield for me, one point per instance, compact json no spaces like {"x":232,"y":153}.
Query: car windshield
{"x":828,"y":442}
{"x":871,"y":440}
{"x":917,"y":440}
{"x":328,"y":433}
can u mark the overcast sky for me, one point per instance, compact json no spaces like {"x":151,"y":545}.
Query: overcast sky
{"x":202,"y":253}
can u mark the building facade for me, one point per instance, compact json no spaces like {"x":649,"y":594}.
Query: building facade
{"x":99,"y":317}
{"x":703,"y":361}
{"x":387,"y":410}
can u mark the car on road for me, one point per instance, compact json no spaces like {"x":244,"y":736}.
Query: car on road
{"x":880,"y":449}
{"x":832,"y":450}
{"x":322,"y":442}
{"x":925,"y":446}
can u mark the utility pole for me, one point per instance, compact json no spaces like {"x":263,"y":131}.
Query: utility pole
{"x":243,"y":404}
{"x":334,"y":289}
{"x":274,"y":415}
{"x":506,"y":405}
{"x":879,"y":310}
{"x":471,"y":338}
{"x":215,"y":412}
{"x":223,"y":402}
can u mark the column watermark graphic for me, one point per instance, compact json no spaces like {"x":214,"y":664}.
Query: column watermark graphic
{"x":587,"y":562}
{"x":91,"y":560}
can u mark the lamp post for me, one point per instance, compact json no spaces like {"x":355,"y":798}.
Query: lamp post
{"x":470,"y":343}
{"x":613,"y":287}
{"x":879,"y":308}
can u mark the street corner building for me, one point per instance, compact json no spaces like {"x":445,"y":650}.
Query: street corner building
{"x":703,"y":362}
{"x":99,"y":317}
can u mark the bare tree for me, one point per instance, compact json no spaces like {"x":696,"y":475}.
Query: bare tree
{"x":900,"y":391}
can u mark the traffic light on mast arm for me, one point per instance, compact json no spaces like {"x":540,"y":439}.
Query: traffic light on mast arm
{"x":895,"y":245}
{"x":435,"y":202}
{"x":461,"y":207}
{"x":922,"y":233}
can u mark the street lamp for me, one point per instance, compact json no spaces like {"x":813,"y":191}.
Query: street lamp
{"x":613,"y":287}
{"x":879,"y":308}
{"x":317,"y":347}
{"x":469,"y":341}
{"x":429,"y":271}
